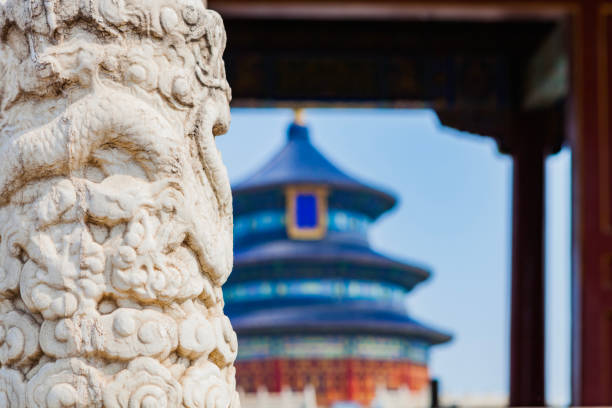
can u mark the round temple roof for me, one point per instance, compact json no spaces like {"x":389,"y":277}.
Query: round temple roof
{"x":300,"y":163}
{"x":299,"y":257}
{"x":346,"y":317}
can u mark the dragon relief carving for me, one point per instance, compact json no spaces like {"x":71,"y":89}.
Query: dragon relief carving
{"x":115,"y":207}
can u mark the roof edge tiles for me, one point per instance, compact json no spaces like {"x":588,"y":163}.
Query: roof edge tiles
{"x":349,"y":317}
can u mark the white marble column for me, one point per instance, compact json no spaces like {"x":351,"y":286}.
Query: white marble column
{"x":115,"y":208}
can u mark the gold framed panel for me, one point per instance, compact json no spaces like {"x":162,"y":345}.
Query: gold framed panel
{"x":306,"y":234}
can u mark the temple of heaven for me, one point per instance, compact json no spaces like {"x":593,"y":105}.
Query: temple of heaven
{"x":311,"y":301}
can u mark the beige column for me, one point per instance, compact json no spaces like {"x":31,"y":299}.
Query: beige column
{"x":115,"y":207}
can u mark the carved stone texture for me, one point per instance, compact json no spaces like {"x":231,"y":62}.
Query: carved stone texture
{"x":115,"y":207}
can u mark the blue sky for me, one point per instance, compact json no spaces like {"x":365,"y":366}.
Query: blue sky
{"x":453,"y":215}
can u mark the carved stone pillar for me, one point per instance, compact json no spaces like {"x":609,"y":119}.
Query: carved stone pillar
{"x":115,"y":208}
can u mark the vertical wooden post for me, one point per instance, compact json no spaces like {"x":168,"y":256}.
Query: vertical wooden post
{"x":527,"y":320}
{"x":435,"y":397}
{"x":592,"y":176}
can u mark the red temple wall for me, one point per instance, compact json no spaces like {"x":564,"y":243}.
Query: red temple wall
{"x":333,"y":380}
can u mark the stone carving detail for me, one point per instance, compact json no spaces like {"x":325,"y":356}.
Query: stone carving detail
{"x":115,"y":207}
{"x":65,"y":383}
{"x":204,"y":387}
{"x":144,"y":383}
{"x":12,"y":389}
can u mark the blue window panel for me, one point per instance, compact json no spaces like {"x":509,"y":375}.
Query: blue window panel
{"x":306,"y":211}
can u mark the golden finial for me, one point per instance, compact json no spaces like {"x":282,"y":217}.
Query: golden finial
{"x":299,"y":116}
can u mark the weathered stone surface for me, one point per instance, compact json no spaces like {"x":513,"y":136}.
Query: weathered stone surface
{"x":115,"y":207}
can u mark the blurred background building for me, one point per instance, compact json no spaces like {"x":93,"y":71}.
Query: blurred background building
{"x":312,"y":303}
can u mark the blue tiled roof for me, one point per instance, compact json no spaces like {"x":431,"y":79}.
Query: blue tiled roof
{"x":299,"y":162}
{"x":346,"y":317}
{"x":361,"y":259}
